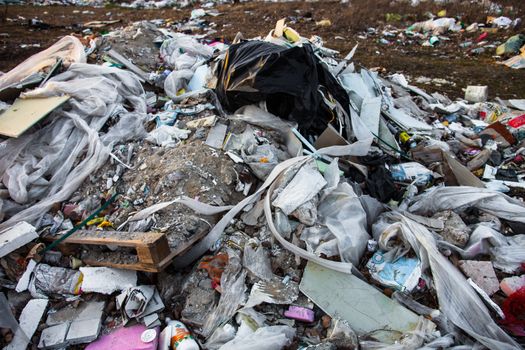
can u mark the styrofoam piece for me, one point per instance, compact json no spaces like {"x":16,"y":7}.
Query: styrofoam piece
{"x":106,"y":280}
{"x":16,"y":237}
{"x":23,"y":282}
{"x":83,"y":331}
{"x":54,"y":337}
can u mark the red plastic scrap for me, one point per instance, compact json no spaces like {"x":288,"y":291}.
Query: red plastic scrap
{"x":482,"y":37}
{"x":215,"y":266}
{"x":514,"y":309}
{"x":517,"y":122}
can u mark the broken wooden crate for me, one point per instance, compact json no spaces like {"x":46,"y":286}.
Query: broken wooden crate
{"x":141,"y":251}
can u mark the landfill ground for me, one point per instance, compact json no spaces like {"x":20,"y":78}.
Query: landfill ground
{"x":454,"y":65}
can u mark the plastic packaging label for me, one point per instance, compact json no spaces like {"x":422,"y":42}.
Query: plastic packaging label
{"x":518,"y":121}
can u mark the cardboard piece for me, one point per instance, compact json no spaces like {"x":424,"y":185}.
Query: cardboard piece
{"x":500,"y":134}
{"x":330,"y":137}
{"x":24,"y":113}
{"x":462,"y":175}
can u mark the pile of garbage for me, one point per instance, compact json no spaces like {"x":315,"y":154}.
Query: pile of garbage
{"x":470,"y":39}
{"x":135,"y":4}
{"x":259,"y":194}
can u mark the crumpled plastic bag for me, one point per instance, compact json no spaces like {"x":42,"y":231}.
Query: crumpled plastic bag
{"x":184,"y":51}
{"x":69,"y":49}
{"x":167,"y":136}
{"x":511,"y":46}
{"x":462,"y":197}
{"x":177,"y":82}
{"x":509,"y":257}
{"x":436,"y":26}
{"x":264,"y":338}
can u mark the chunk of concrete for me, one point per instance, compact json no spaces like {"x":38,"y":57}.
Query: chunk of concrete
{"x":85,"y":311}
{"x":105,"y":280}
{"x":54,"y":337}
{"x":29,"y":320}
{"x":82,"y":324}
{"x":482,"y":273}
{"x":15,"y":237}
{"x":510,"y":285}
{"x":83,"y":331}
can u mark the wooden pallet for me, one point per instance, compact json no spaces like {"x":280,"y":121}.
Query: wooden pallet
{"x":141,"y":251}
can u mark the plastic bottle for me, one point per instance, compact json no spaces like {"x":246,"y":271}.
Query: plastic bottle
{"x":177,"y":337}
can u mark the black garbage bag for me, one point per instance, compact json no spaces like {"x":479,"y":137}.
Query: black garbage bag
{"x":381,"y":186}
{"x":292,"y":81}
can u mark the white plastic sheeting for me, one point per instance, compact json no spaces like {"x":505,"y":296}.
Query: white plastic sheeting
{"x":184,"y":52}
{"x":45,"y":166}
{"x":264,"y":338}
{"x":461,"y":197}
{"x":457,"y":300}
{"x":69,"y":49}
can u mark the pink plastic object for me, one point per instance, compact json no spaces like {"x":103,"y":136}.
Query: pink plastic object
{"x":300,"y":313}
{"x":125,"y":339}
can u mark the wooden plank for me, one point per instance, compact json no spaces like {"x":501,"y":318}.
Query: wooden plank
{"x":182,"y":248}
{"x":120,"y":238}
{"x":153,"y":251}
{"x":24,"y":113}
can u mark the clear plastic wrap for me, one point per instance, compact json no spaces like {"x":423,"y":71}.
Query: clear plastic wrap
{"x":254,"y":115}
{"x":45,"y":166}
{"x":482,"y":239}
{"x":461,"y":197}
{"x":184,"y":51}
{"x":256,"y":260}
{"x":509,"y":257}
{"x":264,"y":338}
{"x":233,"y":289}
{"x":341,"y":212}
{"x":176,"y":81}
{"x":221,"y":336}
{"x":69,"y":49}
{"x":7,"y":319}
{"x":457,"y":300}
{"x":167,"y":136}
